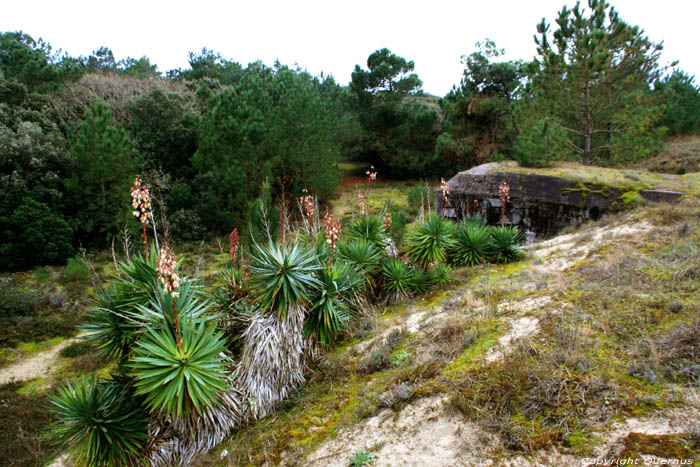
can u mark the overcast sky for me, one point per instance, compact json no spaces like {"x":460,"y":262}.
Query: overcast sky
{"x":329,"y":36}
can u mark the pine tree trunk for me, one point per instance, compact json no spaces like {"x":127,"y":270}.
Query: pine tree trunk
{"x":587,"y":130}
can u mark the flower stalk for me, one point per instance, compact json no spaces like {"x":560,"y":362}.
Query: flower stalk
{"x":332,"y":233}
{"x":169,"y":280}
{"x":141,"y":205}
{"x":445,"y":187}
{"x":504,"y":193}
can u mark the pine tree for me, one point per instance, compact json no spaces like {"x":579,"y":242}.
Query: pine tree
{"x":595,"y":81}
{"x":105,"y":168}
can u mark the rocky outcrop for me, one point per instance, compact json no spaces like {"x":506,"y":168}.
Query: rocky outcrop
{"x":540,"y":204}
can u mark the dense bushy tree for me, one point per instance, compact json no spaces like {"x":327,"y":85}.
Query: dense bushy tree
{"x":33,"y":234}
{"x":210,"y":65}
{"x":595,"y":79}
{"x":399,"y":127}
{"x":105,"y":166}
{"x":274,"y":125}
{"x":682,"y":98}
{"x":24,"y":60}
{"x":480,"y":119}
{"x":164,"y":128}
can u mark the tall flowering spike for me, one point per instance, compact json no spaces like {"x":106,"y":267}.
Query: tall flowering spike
{"x":332,"y":233}
{"x":371,"y":174}
{"x":307,"y":202}
{"x":361,"y":201}
{"x":233,"y":241}
{"x":308,"y":210}
{"x":445,"y":187}
{"x":141,"y":201}
{"x":504,"y":193}
{"x":141,"y":205}
{"x":168,"y":278}
{"x":166,"y":271}
{"x":387,"y":222}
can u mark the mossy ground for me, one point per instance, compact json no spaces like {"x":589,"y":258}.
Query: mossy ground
{"x":627,"y":180}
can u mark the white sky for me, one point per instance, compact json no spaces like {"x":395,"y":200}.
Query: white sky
{"x":327,"y":35}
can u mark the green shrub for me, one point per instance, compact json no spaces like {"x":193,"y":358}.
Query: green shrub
{"x":417,"y":197}
{"x":440,"y":275}
{"x":397,"y":277}
{"x":333,"y":304}
{"x":428,"y":243}
{"x":34,"y":234}
{"x":76,"y":270}
{"x":283,"y":277}
{"x":506,"y":244}
{"x":99,"y":422}
{"x":76,"y":349}
{"x":17,"y":302}
{"x":398,"y":224}
{"x":42,"y":275}
{"x":179,"y":380}
{"x":109,"y":325}
{"x":185,"y":224}
{"x":419,"y":281}
{"x":363,"y":255}
{"x":370,"y":228}
{"x":473,"y":244}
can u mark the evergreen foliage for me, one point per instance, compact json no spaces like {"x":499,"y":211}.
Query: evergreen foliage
{"x":104,"y":171}
{"x":429,"y":242}
{"x":101,"y":422}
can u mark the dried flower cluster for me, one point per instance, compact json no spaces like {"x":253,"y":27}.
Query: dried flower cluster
{"x":361,"y":202}
{"x":141,"y":201}
{"x":504,"y":193}
{"x":233,"y":241}
{"x":371,"y":173}
{"x":332,"y":232}
{"x":387,"y":222}
{"x":166,"y":271}
{"x":445,"y":187}
{"x":308,"y":210}
{"x":307,"y":203}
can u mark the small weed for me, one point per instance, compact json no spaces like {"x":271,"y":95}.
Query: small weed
{"x":42,"y":275}
{"x":362,"y":458}
{"x":400,"y":358}
{"x":76,"y":270}
{"x":380,"y":358}
{"x":76,"y":349}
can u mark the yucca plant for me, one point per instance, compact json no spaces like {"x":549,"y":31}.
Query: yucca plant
{"x":334,"y":302}
{"x":397,"y":277}
{"x":113,"y":323}
{"x":100,"y":423}
{"x":282,"y":277}
{"x":440,"y":275}
{"x":506,"y":241}
{"x":370,"y":228}
{"x":473,"y":244}
{"x":233,"y":305}
{"x":179,"y":380}
{"x":473,"y":220}
{"x":419,"y":281}
{"x":428,"y":243}
{"x":364,"y":256}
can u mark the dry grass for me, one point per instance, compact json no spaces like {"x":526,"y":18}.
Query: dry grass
{"x":680,"y":154}
{"x":22,"y":433}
